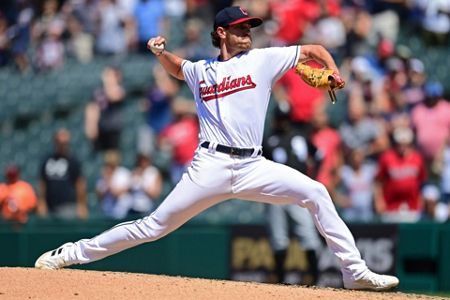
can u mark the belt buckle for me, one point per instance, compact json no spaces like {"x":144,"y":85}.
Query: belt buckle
{"x":234,"y":152}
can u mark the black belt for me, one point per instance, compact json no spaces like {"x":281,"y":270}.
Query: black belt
{"x":242,"y":152}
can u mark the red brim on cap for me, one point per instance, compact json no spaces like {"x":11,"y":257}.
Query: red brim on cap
{"x":253,"y":21}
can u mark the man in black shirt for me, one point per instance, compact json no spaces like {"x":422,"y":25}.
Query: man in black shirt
{"x":294,"y":149}
{"x":62,"y":188}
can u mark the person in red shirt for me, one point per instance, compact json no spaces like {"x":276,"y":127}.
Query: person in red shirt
{"x":301,"y":98}
{"x":17,"y":197}
{"x":328,"y":141}
{"x":432,"y":136}
{"x":180,"y":138}
{"x":401,"y":174}
{"x":294,"y":16}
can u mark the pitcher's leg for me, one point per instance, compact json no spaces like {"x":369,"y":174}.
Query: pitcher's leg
{"x":275,"y":183}
{"x":183,"y":203}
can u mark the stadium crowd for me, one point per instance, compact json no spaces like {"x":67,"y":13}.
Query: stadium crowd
{"x":385,"y":145}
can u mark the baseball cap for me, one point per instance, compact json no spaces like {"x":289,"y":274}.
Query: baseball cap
{"x":234,"y":15}
{"x":12,"y":172}
{"x":441,"y":212}
{"x":431,"y":192}
{"x":416,"y":65}
{"x":394,"y":64}
{"x":403,"y":135}
{"x":434,"y":89}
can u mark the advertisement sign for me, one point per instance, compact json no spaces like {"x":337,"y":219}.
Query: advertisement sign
{"x":252,"y":258}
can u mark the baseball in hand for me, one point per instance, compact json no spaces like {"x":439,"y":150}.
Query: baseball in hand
{"x":156,"y":49}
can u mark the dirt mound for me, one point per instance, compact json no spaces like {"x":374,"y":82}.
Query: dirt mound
{"x":23,"y":283}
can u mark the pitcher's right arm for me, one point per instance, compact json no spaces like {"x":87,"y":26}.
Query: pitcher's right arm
{"x":170,"y":62}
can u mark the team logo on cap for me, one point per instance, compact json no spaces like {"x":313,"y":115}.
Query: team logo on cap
{"x":243,"y":11}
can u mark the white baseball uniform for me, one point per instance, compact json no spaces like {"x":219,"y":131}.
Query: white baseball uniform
{"x":232,"y":98}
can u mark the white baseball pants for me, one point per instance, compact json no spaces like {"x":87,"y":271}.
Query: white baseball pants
{"x":214,"y":177}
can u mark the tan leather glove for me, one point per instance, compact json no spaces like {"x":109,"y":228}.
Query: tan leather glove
{"x":321,"y":78}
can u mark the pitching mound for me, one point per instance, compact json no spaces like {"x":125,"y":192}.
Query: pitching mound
{"x":23,"y":283}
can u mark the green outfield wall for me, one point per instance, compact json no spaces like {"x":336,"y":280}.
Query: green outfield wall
{"x":197,"y":251}
{"x":418,"y":253}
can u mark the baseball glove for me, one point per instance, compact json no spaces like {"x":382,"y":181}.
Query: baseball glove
{"x":321,"y":78}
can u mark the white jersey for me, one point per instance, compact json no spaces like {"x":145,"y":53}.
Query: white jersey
{"x":232,"y":96}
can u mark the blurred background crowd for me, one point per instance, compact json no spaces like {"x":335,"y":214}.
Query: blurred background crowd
{"x":91,"y":125}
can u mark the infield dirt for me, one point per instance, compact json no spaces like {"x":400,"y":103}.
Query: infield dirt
{"x":28,"y":283}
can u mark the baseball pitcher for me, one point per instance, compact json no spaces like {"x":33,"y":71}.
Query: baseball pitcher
{"x":232,"y":92}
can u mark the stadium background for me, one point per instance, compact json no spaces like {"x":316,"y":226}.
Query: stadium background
{"x":35,"y":101}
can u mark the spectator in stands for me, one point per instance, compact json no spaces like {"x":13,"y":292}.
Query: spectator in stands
{"x":293,"y":17}
{"x":62,"y":187}
{"x":414,"y":92}
{"x":385,"y":50}
{"x":386,"y":16}
{"x":435,"y":21}
{"x":296,"y":150}
{"x":391,"y":103}
{"x":80,"y":44}
{"x":328,"y":141}
{"x":48,"y":15}
{"x":441,"y":212}
{"x":4,"y":40}
{"x":301,"y":98}
{"x":128,"y":6}
{"x":50,"y":52}
{"x":180,"y":138}
{"x":15,"y":19}
{"x":86,"y":11}
{"x":46,"y":34}
{"x":358,"y":24}
{"x":355,"y":186}
{"x":433,"y":208}
{"x":401,"y":174}
{"x":193,"y":47}
{"x":17,"y":197}
{"x":441,"y":166}
{"x":157,"y":109}
{"x":21,"y":32}
{"x":176,"y":10}
{"x":103,"y":116}
{"x":431,"y":120}
{"x":150,"y":20}
{"x":146,"y":185}
{"x":114,"y":25}
{"x":328,"y":30}
{"x":361,"y":86}
{"x":114,"y":187}
{"x":390,"y":96}
{"x":198,"y":9}
{"x":362,"y":131}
